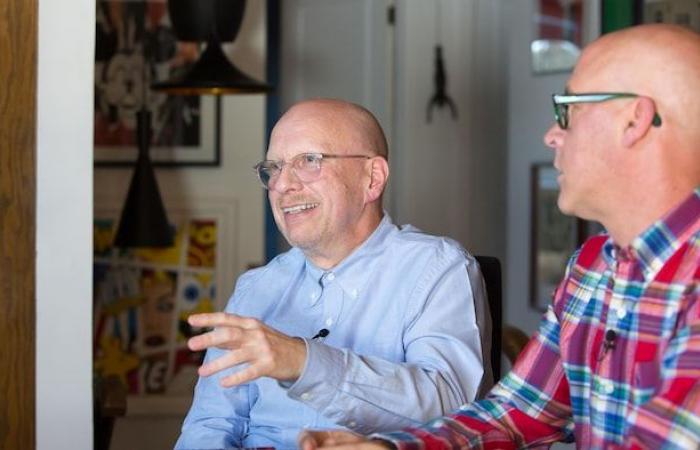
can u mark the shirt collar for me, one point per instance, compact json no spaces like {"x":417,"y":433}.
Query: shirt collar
{"x":659,"y":242}
{"x":353,"y":272}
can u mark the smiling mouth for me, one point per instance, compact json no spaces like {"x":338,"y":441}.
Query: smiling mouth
{"x":299,"y":208}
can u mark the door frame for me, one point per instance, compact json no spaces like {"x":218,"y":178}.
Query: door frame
{"x":18,"y":75}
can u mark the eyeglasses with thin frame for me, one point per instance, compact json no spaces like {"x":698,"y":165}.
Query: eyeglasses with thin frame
{"x":561,"y":104}
{"x":306,"y":167}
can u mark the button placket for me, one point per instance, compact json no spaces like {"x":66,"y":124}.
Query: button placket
{"x":315,"y":296}
{"x":332,"y":300}
{"x":616,"y":309}
{"x":621,"y":312}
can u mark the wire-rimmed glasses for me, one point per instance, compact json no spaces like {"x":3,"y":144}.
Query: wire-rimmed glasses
{"x":306,"y":166}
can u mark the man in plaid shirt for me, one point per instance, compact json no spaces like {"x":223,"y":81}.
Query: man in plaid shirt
{"x":616,"y":360}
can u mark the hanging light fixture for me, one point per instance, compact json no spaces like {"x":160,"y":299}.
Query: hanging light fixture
{"x":212,"y":22}
{"x":143,"y":221}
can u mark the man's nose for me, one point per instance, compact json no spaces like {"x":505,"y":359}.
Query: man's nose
{"x":553,"y":137}
{"x":286,"y":180}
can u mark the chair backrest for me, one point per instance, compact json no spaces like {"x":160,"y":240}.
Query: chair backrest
{"x":491,"y":271}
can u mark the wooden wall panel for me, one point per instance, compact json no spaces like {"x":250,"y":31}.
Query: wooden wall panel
{"x":18,"y":62}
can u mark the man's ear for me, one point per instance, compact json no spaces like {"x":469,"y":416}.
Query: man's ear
{"x":644,"y":111}
{"x":379,"y":174}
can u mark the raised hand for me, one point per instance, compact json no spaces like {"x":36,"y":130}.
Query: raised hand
{"x":249,"y":341}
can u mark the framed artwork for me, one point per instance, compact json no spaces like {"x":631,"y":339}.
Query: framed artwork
{"x":135,"y":46}
{"x":143,"y":296}
{"x":559,"y":36}
{"x":554,"y":236}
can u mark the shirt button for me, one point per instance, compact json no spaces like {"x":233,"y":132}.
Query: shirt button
{"x":352,"y":424}
{"x":329,"y":322}
{"x":331,"y":276}
{"x":621,"y":312}
{"x":353,"y":293}
{"x":305,"y":396}
{"x":607,"y":386}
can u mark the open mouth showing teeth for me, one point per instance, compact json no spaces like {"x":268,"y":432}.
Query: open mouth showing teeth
{"x":299,"y":208}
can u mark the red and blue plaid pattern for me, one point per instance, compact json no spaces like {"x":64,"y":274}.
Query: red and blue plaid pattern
{"x":640,"y":391}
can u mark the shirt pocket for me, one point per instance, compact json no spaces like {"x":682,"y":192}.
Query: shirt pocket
{"x":645,"y":382}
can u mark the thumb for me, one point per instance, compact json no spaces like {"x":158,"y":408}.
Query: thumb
{"x":308,"y":441}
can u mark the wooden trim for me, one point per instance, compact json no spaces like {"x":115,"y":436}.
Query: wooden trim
{"x":18,"y":76}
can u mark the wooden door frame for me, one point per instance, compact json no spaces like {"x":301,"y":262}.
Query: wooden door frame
{"x":18,"y":78}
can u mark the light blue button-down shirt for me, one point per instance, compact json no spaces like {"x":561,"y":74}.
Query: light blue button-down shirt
{"x":403,"y":343}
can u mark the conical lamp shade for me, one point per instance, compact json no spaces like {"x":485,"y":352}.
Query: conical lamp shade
{"x":213,"y":22}
{"x":212,"y":74}
{"x":143,"y":221}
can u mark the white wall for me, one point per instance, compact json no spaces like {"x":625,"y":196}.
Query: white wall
{"x":529,"y":105}
{"x":64,"y":225}
{"x":529,"y":116}
{"x":449,"y":175}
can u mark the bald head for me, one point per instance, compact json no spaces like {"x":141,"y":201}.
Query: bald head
{"x":342,"y":123}
{"x":658,"y":61}
{"x":618,"y":165}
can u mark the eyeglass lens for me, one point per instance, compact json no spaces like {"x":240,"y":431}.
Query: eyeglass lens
{"x":561,"y":112}
{"x":306,"y":167}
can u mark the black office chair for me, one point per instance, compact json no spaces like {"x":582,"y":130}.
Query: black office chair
{"x":491,"y":270}
{"x":507,"y":338}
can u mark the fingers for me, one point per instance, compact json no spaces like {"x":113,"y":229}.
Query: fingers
{"x":312,"y":440}
{"x":221,"y":319}
{"x":309,"y":440}
{"x":227,"y":360}
{"x":224,"y":338}
{"x":228,"y":330}
{"x":267,"y":351}
{"x":250,"y":373}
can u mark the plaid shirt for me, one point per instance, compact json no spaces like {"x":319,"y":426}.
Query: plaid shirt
{"x":638,"y":389}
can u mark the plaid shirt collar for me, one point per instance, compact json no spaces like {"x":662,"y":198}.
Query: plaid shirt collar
{"x":657,"y":243}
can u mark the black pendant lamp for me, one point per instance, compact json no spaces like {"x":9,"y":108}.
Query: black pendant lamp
{"x":212,"y":22}
{"x":143,"y":221}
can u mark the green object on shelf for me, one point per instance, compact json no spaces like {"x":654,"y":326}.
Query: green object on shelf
{"x":617,"y":14}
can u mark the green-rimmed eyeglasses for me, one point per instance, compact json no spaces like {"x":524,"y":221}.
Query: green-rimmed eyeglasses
{"x":562,"y":101}
{"x":306,"y":166}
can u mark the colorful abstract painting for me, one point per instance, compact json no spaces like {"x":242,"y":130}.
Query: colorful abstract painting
{"x":143,"y":298}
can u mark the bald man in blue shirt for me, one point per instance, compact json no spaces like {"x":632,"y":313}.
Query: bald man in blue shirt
{"x":362,"y":325}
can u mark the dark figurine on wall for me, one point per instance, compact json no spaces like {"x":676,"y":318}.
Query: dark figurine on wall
{"x":440,"y":97}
